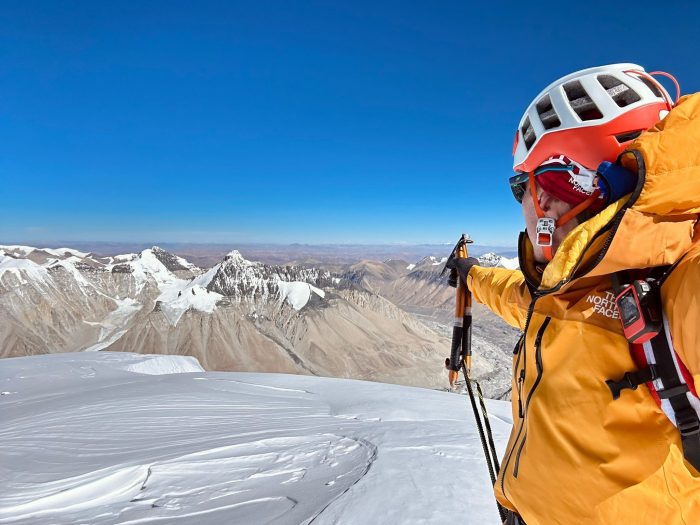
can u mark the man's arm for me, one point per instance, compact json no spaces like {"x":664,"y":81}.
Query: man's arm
{"x":503,"y":291}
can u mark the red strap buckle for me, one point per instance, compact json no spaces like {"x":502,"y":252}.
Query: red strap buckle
{"x":545,"y":231}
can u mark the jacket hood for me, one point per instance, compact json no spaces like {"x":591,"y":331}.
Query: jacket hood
{"x":653,"y":226}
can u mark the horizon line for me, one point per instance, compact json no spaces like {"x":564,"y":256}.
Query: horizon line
{"x":67,"y":243}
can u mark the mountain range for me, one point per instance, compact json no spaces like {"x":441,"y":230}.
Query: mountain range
{"x":383,"y":321}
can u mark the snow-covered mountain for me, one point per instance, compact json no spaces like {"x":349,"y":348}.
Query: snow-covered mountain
{"x":106,"y":438}
{"x":241,"y":279}
{"x":493,"y":259}
{"x":238,"y":315}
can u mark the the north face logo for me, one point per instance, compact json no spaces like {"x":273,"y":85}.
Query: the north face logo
{"x":604,"y":305}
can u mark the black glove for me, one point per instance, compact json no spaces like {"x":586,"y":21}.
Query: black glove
{"x":462,"y":265}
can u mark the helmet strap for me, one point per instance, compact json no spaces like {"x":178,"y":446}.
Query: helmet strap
{"x":547,"y":225}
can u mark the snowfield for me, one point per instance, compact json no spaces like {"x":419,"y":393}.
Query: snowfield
{"x":105,"y":438}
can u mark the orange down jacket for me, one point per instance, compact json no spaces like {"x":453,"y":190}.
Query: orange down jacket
{"x":575,"y":455}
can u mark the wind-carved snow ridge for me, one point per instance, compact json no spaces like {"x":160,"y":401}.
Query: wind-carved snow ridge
{"x":89,"y":438}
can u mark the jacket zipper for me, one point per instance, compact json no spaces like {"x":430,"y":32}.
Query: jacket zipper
{"x":540,"y":370}
{"x":521,"y":380}
{"x":523,"y":354}
{"x":518,"y":379}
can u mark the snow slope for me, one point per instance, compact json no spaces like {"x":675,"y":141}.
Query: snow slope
{"x":24,"y":269}
{"x":105,"y":438}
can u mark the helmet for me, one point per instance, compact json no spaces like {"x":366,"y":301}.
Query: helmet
{"x":590,"y":116}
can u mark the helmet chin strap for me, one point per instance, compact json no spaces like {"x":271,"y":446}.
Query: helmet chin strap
{"x":547,"y":225}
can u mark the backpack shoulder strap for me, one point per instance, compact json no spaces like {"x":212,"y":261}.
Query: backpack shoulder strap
{"x":675,"y":392}
{"x":667,"y":378}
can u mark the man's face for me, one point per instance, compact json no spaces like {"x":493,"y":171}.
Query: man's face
{"x":552,"y":207}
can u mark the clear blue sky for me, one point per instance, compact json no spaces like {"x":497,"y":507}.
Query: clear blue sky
{"x":313,"y":122}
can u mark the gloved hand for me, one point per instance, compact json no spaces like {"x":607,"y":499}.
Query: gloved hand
{"x":462,"y":265}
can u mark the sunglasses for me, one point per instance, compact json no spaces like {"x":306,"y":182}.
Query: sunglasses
{"x":518,"y":185}
{"x":519,"y":180}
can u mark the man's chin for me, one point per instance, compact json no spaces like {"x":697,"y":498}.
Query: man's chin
{"x":538,"y":253}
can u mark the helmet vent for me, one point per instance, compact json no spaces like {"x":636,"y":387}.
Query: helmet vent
{"x":528,"y":134}
{"x":548,"y":116}
{"x":580,"y":102}
{"x":652,"y":86}
{"x":620,"y":92}
{"x":626,"y":137}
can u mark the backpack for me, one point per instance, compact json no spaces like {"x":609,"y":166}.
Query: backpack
{"x":658,"y":366}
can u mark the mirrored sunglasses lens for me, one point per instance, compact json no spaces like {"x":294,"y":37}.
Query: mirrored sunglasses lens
{"x":518,"y":192}
{"x":517,"y":185}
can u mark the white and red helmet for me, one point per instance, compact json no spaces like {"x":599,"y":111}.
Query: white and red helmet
{"x":590,"y":116}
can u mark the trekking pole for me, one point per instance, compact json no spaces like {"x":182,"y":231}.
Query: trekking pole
{"x":461,"y":358}
{"x":487,"y":424}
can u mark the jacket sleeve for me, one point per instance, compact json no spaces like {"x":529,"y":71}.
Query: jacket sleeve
{"x":503,"y":291}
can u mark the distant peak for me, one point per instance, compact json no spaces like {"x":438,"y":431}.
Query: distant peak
{"x":155,"y":250}
{"x":235,"y":257}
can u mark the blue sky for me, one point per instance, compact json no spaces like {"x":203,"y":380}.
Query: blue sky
{"x":312,"y":122}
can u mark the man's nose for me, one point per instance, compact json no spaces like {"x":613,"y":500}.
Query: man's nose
{"x":545,"y":201}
